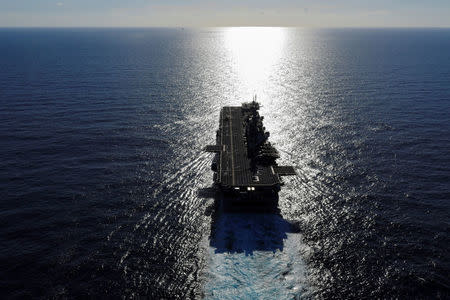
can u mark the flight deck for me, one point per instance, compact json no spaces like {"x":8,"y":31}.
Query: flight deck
{"x":240,"y":167}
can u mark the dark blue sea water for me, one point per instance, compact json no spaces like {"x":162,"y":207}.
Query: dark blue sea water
{"x":101,"y":173}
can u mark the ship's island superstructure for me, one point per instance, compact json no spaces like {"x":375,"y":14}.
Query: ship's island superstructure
{"x":245,"y":161}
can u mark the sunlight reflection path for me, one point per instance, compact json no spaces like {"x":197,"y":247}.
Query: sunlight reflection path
{"x":255,"y":51}
{"x":253,"y":256}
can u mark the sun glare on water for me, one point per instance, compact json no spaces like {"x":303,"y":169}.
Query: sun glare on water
{"x":254,"y":53}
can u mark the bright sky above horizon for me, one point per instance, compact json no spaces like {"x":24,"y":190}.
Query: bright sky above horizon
{"x":197,"y":13}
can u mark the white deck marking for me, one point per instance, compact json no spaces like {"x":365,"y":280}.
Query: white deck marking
{"x":223,"y":150}
{"x":231,"y":146}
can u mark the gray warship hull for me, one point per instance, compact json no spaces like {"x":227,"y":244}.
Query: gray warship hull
{"x":244,"y":165}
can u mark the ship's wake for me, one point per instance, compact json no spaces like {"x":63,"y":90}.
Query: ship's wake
{"x":254,"y":256}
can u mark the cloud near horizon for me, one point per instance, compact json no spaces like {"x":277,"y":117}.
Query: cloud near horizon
{"x":197,"y":13}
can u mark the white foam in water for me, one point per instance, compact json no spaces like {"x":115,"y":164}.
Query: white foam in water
{"x":254,"y":256}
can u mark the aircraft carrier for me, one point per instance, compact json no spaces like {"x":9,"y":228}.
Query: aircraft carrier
{"x":244,"y":164}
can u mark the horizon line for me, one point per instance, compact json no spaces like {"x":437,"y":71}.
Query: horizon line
{"x":226,"y":26}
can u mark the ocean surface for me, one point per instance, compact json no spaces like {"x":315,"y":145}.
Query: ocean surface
{"x":105,"y":189}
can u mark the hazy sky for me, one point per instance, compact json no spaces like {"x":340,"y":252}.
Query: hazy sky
{"x":319,"y":13}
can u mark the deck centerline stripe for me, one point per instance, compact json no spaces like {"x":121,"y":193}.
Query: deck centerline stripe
{"x":232,"y":150}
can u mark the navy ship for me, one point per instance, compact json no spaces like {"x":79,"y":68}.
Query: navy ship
{"x":245,"y":164}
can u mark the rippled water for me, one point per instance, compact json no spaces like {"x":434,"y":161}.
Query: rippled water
{"x":103,"y":181}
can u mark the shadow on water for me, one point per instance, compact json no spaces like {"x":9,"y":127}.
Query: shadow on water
{"x":237,"y":228}
{"x":253,"y":251}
